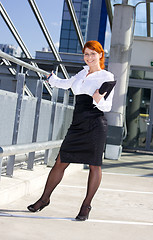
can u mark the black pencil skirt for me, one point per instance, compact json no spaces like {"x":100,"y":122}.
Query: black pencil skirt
{"x":85,"y":140}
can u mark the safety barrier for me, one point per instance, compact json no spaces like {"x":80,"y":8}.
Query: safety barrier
{"x":26,"y":148}
{"x":55,"y":111}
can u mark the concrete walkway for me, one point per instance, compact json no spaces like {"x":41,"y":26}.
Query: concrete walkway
{"x":122,"y":208}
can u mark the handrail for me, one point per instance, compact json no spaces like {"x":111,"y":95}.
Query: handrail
{"x":22,"y":63}
{"x":25,"y":148}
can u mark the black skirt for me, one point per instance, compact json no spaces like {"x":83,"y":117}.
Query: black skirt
{"x":86,"y":136}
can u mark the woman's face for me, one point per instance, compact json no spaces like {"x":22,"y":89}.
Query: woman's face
{"x":91,"y":57}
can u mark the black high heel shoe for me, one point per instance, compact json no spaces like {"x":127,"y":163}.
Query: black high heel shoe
{"x":32,"y":209}
{"x":85,"y":216}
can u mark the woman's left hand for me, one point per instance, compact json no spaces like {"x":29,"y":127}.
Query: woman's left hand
{"x":97,"y":96}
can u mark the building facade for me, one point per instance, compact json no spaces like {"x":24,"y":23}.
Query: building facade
{"x":92,"y":17}
{"x":10,"y":49}
{"x":68,"y":37}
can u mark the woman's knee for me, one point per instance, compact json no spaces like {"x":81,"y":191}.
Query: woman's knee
{"x":60,"y":165}
{"x":94,"y":168}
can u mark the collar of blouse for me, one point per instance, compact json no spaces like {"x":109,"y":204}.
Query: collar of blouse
{"x":86,"y":68}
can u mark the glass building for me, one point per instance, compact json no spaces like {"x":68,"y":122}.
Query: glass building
{"x":68,"y":38}
{"x":92,"y":18}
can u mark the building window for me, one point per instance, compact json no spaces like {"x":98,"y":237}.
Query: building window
{"x":77,"y":6}
{"x":65,"y":33}
{"x":73,"y":44}
{"x":63,"y":49}
{"x":71,"y":50}
{"x":66,"y":24}
{"x":73,"y":35}
{"x":75,"y":1}
{"x":64,"y":43}
{"x":72,"y":26}
{"x":83,"y":26}
{"x":65,"y":6}
{"x":78,"y":15}
{"x":66,"y":15}
{"x":84,"y":13}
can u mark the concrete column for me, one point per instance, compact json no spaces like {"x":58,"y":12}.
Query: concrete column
{"x":119,"y":62}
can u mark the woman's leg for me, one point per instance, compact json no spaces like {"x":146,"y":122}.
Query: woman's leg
{"x":94,"y":180}
{"x":54,"y":178}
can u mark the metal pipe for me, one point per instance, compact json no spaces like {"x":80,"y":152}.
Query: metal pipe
{"x":25,"y":148}
{"x":109,"y":12}
{"x":15,"y":33}
{"x":148,"y":19}
{"x":47,"y":35}
{"x":22,"y":63}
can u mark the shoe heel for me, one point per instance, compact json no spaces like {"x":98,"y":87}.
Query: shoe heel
{"x":80,"y":217}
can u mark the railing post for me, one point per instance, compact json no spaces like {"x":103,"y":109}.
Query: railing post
{"x":19,"y":91}
{"x":39,"y":90}
{"x":53,"y":101}
{"x":50,"y":135}
{"x":1,"y":159}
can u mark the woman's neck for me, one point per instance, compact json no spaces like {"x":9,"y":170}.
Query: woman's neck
{"x":94,"y":69}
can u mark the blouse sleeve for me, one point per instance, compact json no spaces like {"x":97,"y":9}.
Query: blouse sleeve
{"x":105,"y":105}
{"x":55,"y":81}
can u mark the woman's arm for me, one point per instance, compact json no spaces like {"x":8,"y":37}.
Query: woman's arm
{"x":101,"y":103}
{"x":55,"y":81}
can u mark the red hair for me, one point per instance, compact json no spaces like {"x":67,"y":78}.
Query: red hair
{"x":96,"y":46}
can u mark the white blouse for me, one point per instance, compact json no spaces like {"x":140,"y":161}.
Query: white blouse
{"x":83,"y":84}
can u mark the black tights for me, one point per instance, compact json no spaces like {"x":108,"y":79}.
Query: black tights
{"x":55,"y":176}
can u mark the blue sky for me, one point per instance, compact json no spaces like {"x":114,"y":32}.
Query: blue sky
{"x":25,"y":22}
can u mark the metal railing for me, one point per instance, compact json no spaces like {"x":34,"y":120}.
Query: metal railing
{"x":15,"y":149}
{"x":26,"y":148}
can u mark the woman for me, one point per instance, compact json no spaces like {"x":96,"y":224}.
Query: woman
{"x":85,"y":139}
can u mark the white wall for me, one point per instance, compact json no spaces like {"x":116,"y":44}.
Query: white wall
{"x":142,"y":52}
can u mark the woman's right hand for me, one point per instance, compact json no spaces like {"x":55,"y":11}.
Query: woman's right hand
{"x":48,"y":76}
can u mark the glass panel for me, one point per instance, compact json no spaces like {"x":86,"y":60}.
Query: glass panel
{"x":140,"y":29}
{"x":64,"y":43}
{"x":71,"y":50}
{"x":65,"y":6}
{"x":63,"y":49}
{"x":73,"y":35}
{"x":133,"y":2}
{"x":66,"y":15}
{"x":77,"y":1}
{"x":84,"y":13}
{"x":77,"y":6}
{"x":149,"y":75}
{"x":78,"y":15}
{"x":66,"y":24}
{"x":137,"y":117}
{"x":73,"y":44}
{"x":65,"y":34}
{"x":140,"y":74}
